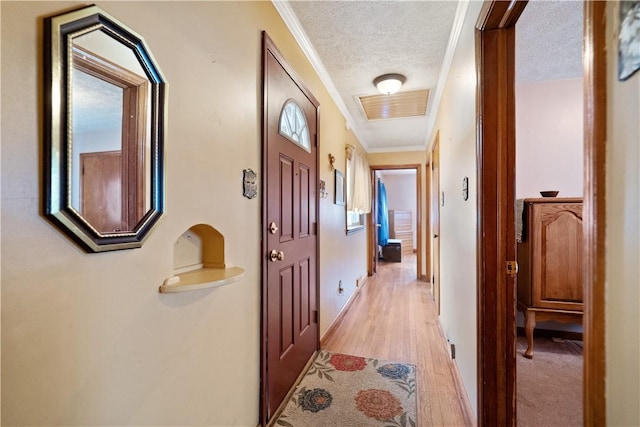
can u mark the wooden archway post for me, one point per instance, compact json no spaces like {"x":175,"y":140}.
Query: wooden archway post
{"x":495,"y":65}
{"x":595,"y":135}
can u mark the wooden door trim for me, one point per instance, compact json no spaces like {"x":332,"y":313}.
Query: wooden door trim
{"x":372,"y":221}
{"x":496,"y":175}
{"x":419,"y":245}
{"x":496,"y":136}
{"x":594,"y":211}
{"x":434,"y":203}
{"x":134,"y":133}
{"x":428,"y":242}
{"x":269,"y":47}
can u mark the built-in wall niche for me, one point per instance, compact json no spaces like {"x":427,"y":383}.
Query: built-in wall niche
{"x":198,"y":262}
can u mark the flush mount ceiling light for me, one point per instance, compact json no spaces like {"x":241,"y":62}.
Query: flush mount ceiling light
{"x":389,"y":83}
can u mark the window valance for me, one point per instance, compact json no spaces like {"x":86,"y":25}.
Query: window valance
{"x":359,"y":183}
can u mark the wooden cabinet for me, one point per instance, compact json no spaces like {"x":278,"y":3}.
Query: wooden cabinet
{"x":401,"y":228}
{"x":550,"y":261}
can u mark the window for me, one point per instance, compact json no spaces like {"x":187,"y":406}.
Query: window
{"x":358,"y":190}
{"x":354,"y":220}
{"x":293,"y":125}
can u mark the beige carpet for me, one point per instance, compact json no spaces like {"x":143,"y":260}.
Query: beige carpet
{"x":550,"y":384}
{"x":350,"y":391}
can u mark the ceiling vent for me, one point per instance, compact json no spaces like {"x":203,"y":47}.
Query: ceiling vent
{"x":398,"y":105}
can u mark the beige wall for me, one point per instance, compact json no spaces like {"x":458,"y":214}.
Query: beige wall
{"x":549,"y":135}
{"x":549,"y":147}
{"x":456,"y":122}
{"x":86,"y":338}
{"x":397,"y":158}
{"x":623,"y":239}
{"x":343,"y":258}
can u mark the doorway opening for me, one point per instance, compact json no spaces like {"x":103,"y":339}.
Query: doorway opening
{"x":395,"y":221}
{"x":549,"y":201}
{"x":496,"y":215}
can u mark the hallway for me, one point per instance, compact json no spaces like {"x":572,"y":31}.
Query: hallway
{"x":394,"y":318}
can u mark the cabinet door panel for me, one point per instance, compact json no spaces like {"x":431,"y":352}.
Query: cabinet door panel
{"x":558,"y":231}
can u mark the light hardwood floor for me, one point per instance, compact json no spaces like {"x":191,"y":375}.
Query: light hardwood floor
{"x":393,"y":317}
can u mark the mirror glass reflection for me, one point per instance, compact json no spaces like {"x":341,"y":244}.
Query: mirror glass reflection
{"x":110,"y":133}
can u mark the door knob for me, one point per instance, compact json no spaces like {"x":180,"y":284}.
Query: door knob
{"x":276,"y":255}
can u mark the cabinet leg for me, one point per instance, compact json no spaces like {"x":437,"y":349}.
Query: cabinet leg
{"x":529,"y":326}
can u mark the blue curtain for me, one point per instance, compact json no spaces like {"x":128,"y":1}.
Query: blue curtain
{"x":383,"y":215}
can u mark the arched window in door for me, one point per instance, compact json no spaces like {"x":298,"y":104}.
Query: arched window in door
{"x":293,"y":125}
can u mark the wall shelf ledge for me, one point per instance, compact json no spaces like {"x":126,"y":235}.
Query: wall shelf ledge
{"x":202,"y":278}
{"x":198,"y":262}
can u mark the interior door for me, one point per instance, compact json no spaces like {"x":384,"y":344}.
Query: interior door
{"x":101,"y":190}
{"x":435,"y":219}
{"x":290,"y":242}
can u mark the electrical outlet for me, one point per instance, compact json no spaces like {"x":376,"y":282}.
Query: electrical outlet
{"x":451,"y":349}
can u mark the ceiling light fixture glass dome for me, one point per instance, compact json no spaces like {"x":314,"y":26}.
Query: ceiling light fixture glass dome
{"x":389,"y":83}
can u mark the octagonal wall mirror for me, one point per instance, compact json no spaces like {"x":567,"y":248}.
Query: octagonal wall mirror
{"x":104,"y":131}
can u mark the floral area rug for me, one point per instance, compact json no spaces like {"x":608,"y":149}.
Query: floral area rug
{"x":349,"y":391}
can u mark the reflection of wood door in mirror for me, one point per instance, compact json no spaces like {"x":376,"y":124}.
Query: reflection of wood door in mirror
{"x":131,"y":120}
{"x":101,"y":191}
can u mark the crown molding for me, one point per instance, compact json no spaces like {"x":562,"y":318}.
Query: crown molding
{"x":291,"y":21}
{"x":434,"y":102}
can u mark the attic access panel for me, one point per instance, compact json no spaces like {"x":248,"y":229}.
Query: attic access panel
{"x":398,"y":105}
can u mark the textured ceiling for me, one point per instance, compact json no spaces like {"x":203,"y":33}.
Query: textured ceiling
{"x":352,"y":42}
{"x":549,"y":41}
{"x":360,"y":40}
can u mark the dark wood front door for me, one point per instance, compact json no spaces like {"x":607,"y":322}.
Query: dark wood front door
{"x":289,"y":235}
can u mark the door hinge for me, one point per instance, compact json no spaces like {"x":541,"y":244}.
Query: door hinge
{"x":512,"y":268}
{"x":315,"y":316}
{"x":315,"y":228}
